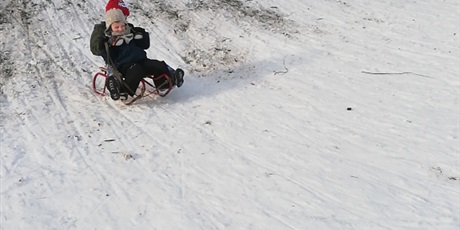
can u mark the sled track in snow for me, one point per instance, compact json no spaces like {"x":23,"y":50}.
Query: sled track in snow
{"x":189,"y":160}
{"x":231,"y":155}
{"x":48,"y":70}
{"x":36,"y":69}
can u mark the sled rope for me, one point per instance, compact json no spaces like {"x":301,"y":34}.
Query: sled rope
{"x":115,"y":71}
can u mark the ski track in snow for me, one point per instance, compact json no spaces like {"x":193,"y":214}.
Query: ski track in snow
{"x":293,"y":115}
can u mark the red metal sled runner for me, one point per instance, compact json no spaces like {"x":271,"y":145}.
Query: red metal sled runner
{"x":146,"y":87}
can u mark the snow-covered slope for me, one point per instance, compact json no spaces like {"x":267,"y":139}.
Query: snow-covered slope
{"x":294,"y":115}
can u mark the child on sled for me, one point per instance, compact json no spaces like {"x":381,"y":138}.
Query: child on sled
{"x":123,"y":46}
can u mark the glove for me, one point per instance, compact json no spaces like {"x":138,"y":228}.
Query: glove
{"x":138,"y":36}
{"x":116,"y":41}
{"x":138,"y":33}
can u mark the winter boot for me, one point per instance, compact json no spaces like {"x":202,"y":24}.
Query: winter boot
{"x":114,"y":88}
{"x":179,"y":77}
{"x":124,"y":96}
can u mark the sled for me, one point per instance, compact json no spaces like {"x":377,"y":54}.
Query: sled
{"x":146,"y":87}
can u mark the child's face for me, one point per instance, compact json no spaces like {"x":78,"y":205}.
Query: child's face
{"x":118,"y":27}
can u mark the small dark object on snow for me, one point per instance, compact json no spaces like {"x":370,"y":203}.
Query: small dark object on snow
{"x":349,"y":108}
{"x":128,"y":156}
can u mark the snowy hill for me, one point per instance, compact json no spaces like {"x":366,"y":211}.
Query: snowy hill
{"x":293,"y":115}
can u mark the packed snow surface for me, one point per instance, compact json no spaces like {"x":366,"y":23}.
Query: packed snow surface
{"x":294,"y":114}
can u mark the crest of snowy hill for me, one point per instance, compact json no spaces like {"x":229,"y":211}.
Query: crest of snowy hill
{"x":294,"y":114}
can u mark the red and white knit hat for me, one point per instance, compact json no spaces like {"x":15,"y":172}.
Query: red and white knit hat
{"x":114,"y":15}
{"x":117,"y":4}
{"x":115,"y":11}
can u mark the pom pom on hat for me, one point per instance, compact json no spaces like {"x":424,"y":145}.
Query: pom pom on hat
{"x":117,"y":4}
{"x":114,"y":15}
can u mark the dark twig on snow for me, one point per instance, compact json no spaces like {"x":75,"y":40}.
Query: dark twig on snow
{"x":394,"y":73}
{"x":285,"y":68}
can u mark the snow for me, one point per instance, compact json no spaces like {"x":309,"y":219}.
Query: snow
{"x":293,"y":115}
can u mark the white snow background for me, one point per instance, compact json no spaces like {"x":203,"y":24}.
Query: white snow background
{"x":294,"y":114}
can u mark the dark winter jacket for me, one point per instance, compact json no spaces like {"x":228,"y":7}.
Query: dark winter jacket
{"x":125,"y":54}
